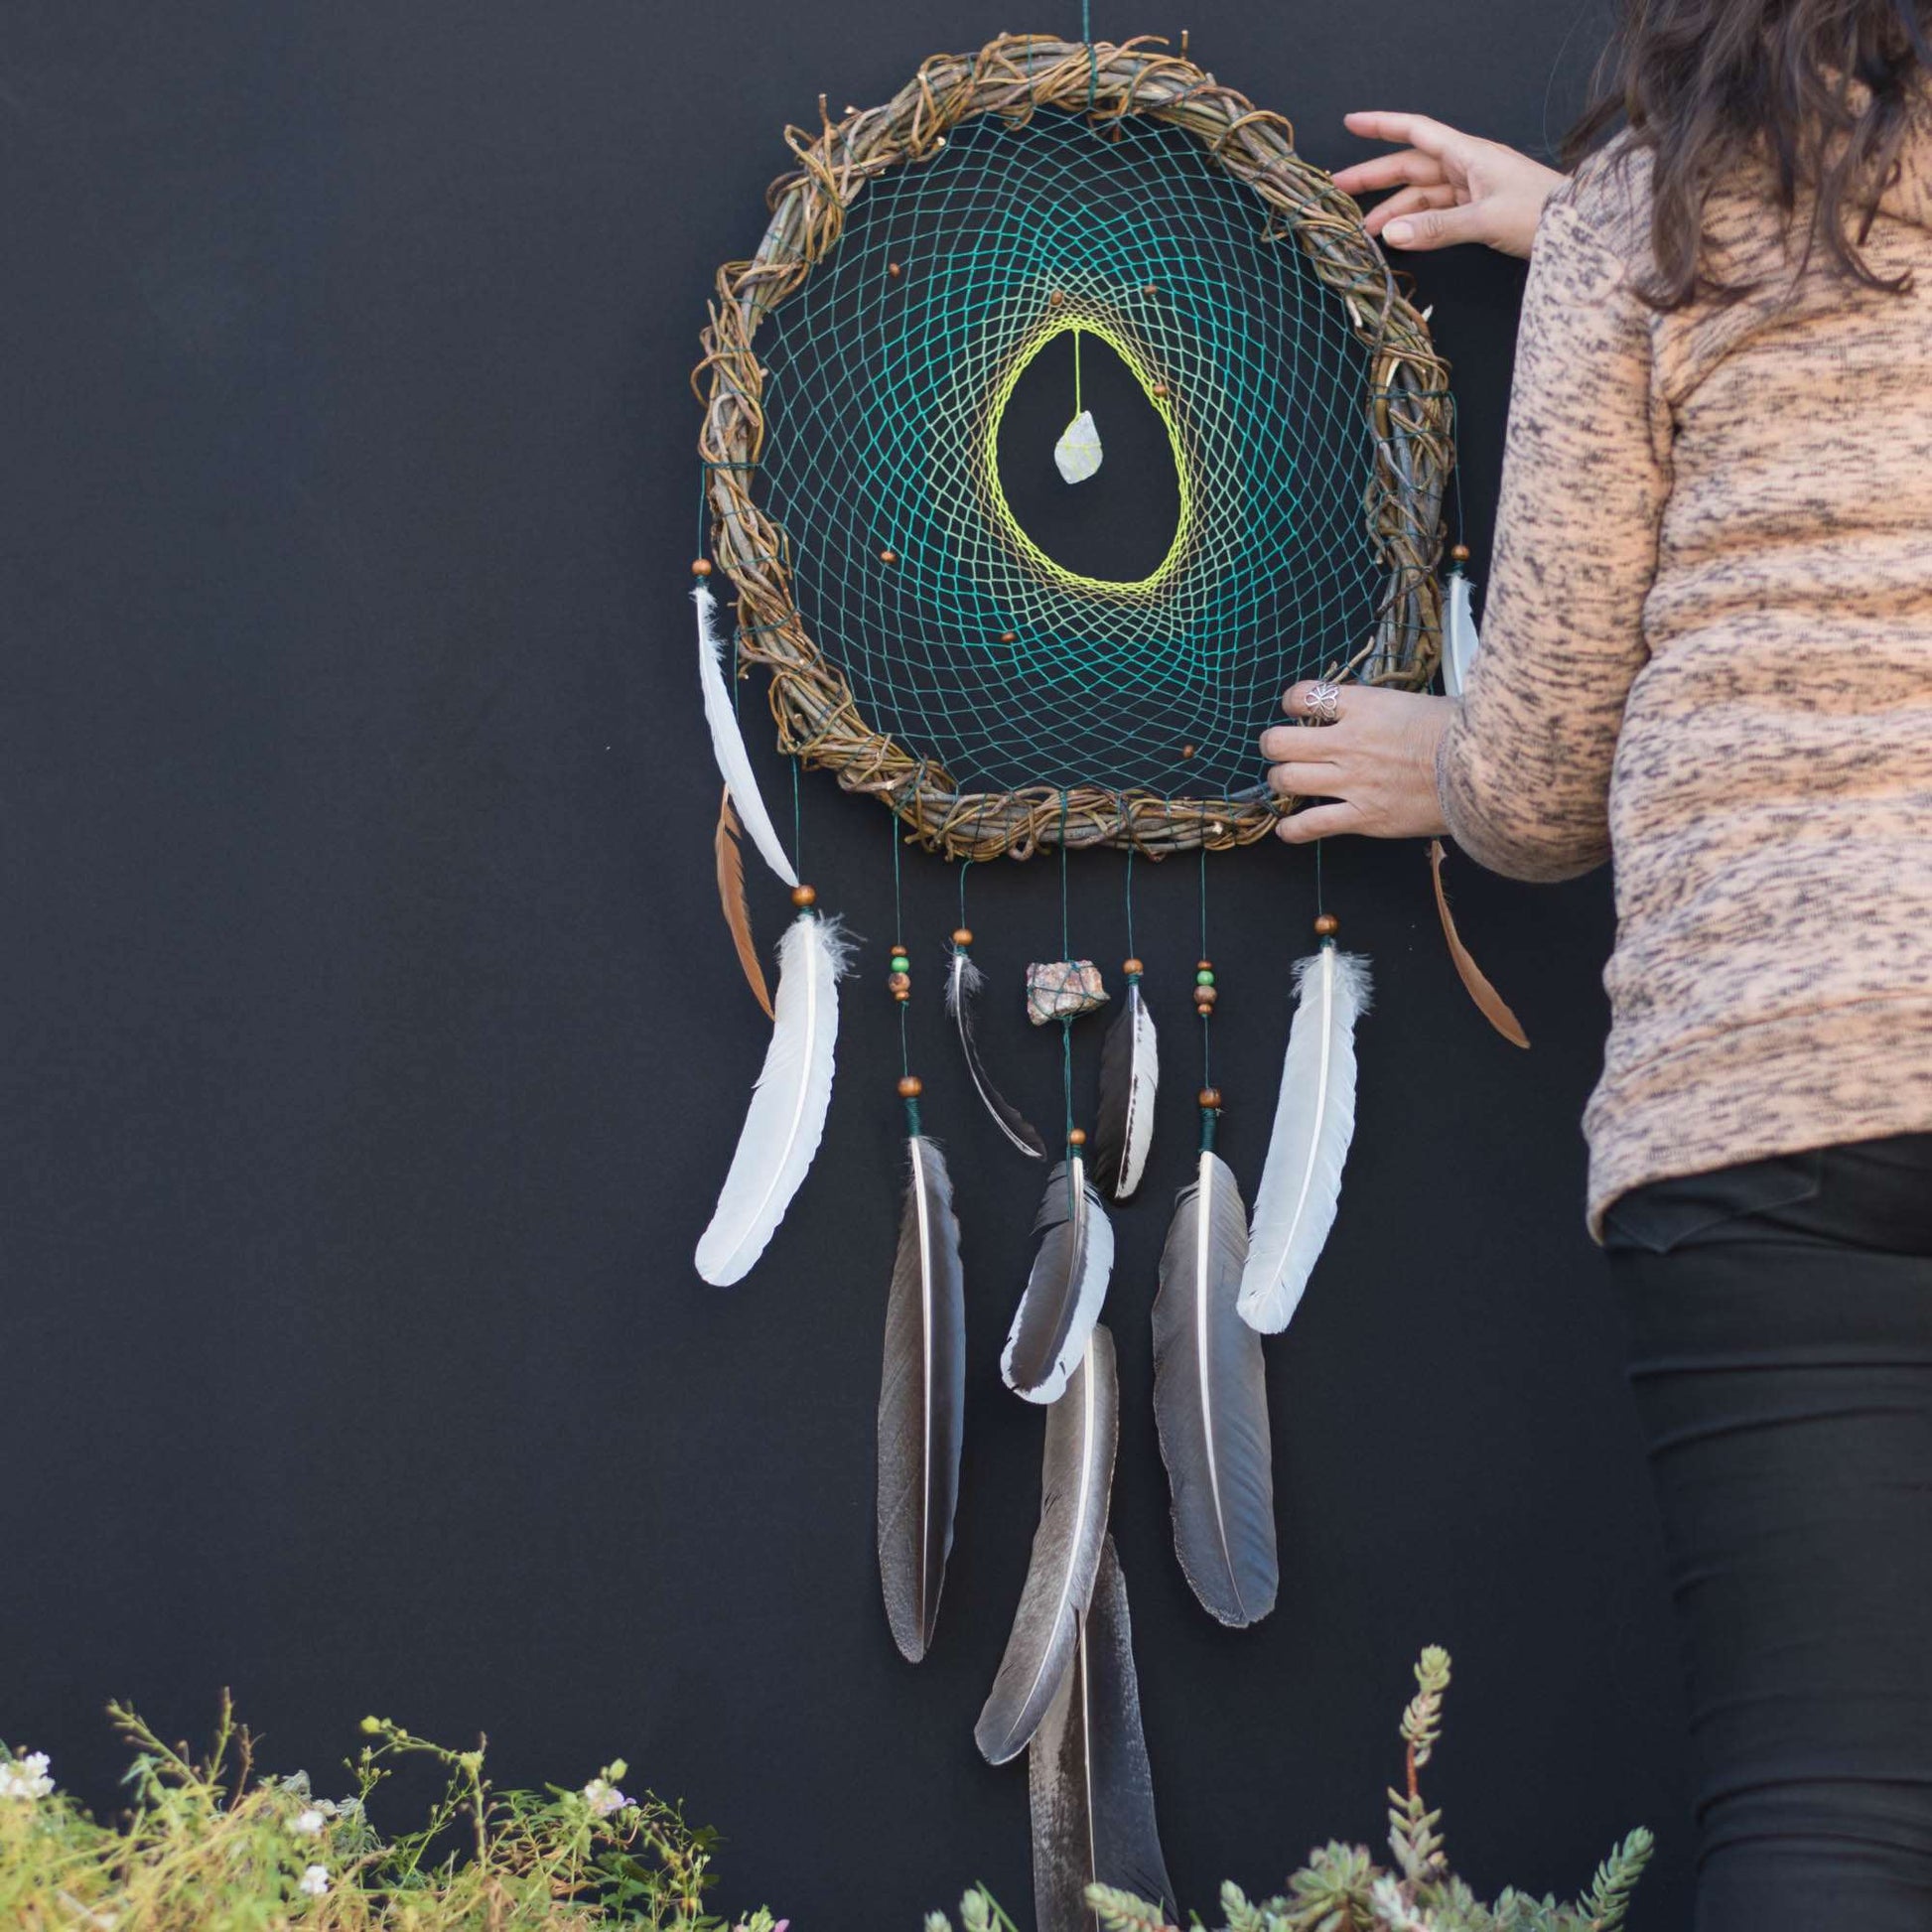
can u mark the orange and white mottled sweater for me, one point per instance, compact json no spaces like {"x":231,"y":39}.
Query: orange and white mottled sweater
{"x":1707,"y":656}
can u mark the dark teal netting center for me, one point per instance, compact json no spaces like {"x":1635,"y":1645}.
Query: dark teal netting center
{"x":919,"y":383}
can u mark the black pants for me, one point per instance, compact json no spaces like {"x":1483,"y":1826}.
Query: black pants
{"x":1780,"y":1318}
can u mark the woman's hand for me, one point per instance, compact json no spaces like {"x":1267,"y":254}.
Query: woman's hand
{"x":1376,"y":762}
{"x":1453,"y":186}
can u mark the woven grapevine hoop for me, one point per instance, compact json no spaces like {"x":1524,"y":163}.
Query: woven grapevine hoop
{"x":818,"y":718}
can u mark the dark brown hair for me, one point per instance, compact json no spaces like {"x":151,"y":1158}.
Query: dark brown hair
{"x":1821,"y":89}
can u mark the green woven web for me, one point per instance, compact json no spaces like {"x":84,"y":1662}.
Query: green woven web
{"x":1132,"y":632}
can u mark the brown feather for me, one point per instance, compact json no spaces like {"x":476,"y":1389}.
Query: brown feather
{"x":1489,"y":1003}
{"x":730,"y":895}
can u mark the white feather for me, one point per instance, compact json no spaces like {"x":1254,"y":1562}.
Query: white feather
{"x":786,"y":1116}
{"x":1314,"y":1120}
{"x":728,"y":742}
{"x":1460,"y":640}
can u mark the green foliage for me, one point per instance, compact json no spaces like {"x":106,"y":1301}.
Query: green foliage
{"x":211,"y":1845}
{"x":1341,"y":1888}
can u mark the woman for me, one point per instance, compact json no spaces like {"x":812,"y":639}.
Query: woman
{"x":1708,"y":657}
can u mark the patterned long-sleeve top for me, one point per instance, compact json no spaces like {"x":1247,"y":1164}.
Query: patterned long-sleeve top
{"x":1707,"y":656}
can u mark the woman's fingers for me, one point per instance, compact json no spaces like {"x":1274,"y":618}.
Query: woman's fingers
{"x":1298,"y":700}
{"x":1439,"y":228}
{"x":1412,"y":201}
{"x":1407,"y":130}
{"x":1305,"y":780}
{"x":1318,"y":822}
{"x":1410,"y":166}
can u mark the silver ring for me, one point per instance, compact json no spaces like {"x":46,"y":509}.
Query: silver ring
{"x":1324,"y":702}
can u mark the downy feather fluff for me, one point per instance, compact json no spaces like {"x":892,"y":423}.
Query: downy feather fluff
{"x":1210,"y":1404}
{"x":922,"y":1404}
{"x":1130,"y":1072}
{"x":1076,"y":1475}
{"x":1088,"y":1777}
{"x":1314,"y":1120}
{"x":1460,"y":640}
{"x":728,"y":742}
{"x":1066,"y":1289}
{"x":963,"y":983}
{"x":787,"y":1112}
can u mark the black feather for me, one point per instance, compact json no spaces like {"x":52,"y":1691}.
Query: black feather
{"x":962,"y":983}
{"x":1076,"y":1478}
{"x":922,"y":1404}
{"x":1088,"y":1777}
{"x":1065,"y":1286}
{"x":1124,"y":1120}
{"x":1210,"y":1404}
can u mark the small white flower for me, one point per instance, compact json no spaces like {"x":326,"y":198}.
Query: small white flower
{"x":603,"y":1797}
{"x":315,"y":1881}
{"x":26,"y":1777}
{"x":309,"y":1823}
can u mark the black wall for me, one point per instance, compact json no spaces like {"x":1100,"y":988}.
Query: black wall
{"x":373,"y":1049}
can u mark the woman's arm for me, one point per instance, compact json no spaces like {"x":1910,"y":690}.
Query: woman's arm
{"x":1519,"y":769}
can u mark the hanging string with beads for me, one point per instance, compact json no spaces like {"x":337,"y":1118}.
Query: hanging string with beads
{"x":1206,"y":995}
{"x":1076,"y":1137}
{"x":898,"y":981}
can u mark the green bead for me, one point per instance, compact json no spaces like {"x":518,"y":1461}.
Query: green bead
{"x":900,"y":964}
{"x":1205,"y":977}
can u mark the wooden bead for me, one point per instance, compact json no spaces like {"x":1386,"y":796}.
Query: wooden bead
{"x":1187,"y":750}
{"x":889,"y":556}
{"x":1327,"y":926}
{"x":804,"y":896}
{"x":1009,"y":636}
{"x":911,"y":1087}
{"x":1211,"y":1099}
{"x":901,"y":994}
{"x":1132,"y":968}
{"x":1204,"y":996}
{"x":1161,"y":392}
{"x":893,"y":270}
{"x":1056,"y":299}
{"x":702,"y":568}
{"x":1203,"y":965}
{"x":1460,"y":554}
{"x":900,"y":981}
{"x":963,"y":936}
{"x":1078,"y":1137}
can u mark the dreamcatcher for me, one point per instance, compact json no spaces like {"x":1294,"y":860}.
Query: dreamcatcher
{"x":1037,"y":198}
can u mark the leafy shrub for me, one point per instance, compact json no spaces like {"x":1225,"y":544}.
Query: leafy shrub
{"x":210,"y":1845}
{"x":1342,"y":1890}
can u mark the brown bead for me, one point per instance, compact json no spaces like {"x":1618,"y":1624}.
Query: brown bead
{"x":889,"y":556}
{"x":1153,"y":288}
{"x":1203,"y":965}
{"x":963,"y":936}
{"x":911,"y":1087}
{"x":893,"y":270}
{"x":1211,"y":1099}
{"x":1460,"y":554}
{"x":803,"y":895}
{"x":1205,"y":998}
{"x":1078,"y":1137}
{"x":1057,"y":298}
{"x":1187,"y":750}
{"x":1327,"y":926}
{"x":900,"y":983}
{"x":702,"y":568}
{"x":901,"y":994}
{"x":1132,"y":968}
{"x":1161,"y":392}
{"x":1009,"y":636}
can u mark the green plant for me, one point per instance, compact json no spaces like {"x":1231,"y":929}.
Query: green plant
{"x":1341,"y":1888}
{"x":210,"y":1845}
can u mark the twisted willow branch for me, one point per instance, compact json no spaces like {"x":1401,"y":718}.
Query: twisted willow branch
{"x":1014,"y":78}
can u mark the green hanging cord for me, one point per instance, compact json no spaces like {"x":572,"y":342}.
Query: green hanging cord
{"x":1076,"y":371}
{"x":1204,"y":978}
{"x":1129,"y":903}
{"x":1093,"y":59}
{"x":798,"y":824}
{"x":899,"y":981}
